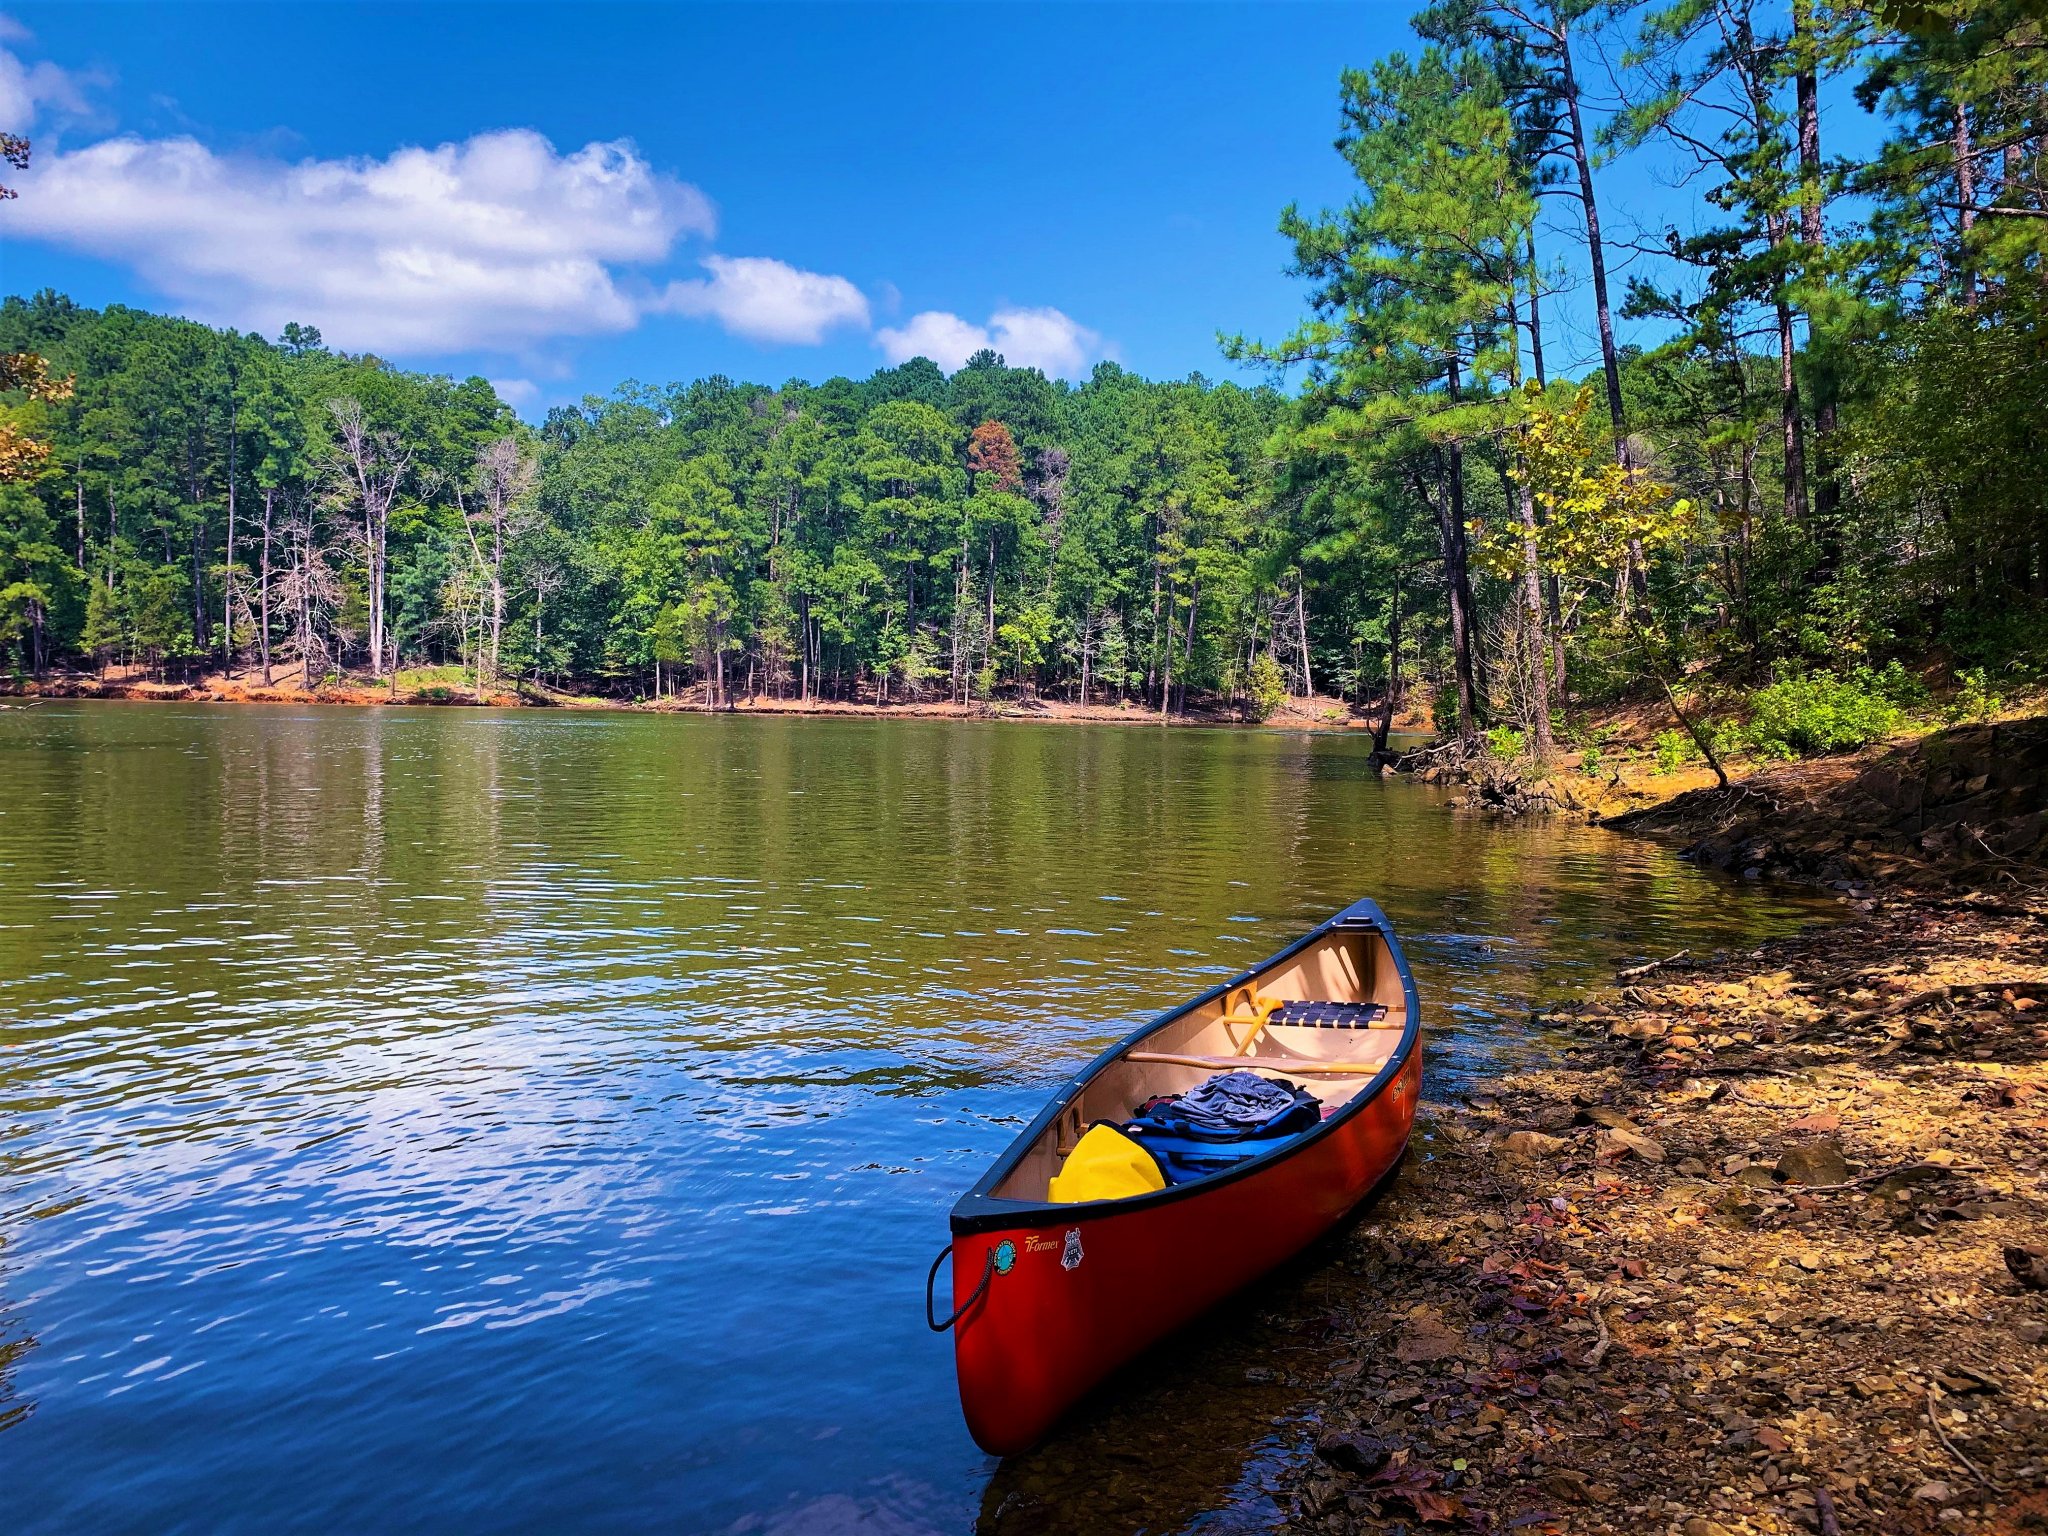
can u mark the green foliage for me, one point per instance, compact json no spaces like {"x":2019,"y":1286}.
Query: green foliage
{"x":909,"y":536}
{"x":1505,"y":744}
{"x":1673,"y":750}
{"x":1974,"y":698}
{"x":1591,"y":761}
{"x":1801,"y":714}
{"x":1265,"y":687}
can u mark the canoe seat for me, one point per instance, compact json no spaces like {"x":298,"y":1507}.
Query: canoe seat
{"x":1328,"y":1015}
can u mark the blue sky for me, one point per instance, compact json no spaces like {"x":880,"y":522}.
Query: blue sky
{"x":776,"y":190}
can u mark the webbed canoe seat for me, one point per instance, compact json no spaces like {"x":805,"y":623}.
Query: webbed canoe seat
{"x":1327,"y":1015}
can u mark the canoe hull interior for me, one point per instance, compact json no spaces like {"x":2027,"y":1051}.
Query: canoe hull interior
{"x":1072,"y":1293}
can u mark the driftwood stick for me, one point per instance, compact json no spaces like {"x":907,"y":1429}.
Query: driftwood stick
{"x":1606,"y":1341}
{"x":1863,"y":1180}
{"x":2027,"y":986}
{"x":1650,"y":965}
{"x":1934,"y":1422}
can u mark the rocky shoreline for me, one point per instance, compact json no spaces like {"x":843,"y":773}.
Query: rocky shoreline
{"x":1766,"y":1251}
{"x":1966,"y":806}
{"x":1294,"y":714}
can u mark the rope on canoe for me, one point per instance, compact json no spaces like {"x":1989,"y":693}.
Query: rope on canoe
{"x":931,"y":1317}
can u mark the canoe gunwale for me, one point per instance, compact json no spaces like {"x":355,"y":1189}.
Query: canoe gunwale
{"x":980,"y":1210}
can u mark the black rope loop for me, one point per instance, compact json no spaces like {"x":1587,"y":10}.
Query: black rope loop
{"x":931,"y":1317}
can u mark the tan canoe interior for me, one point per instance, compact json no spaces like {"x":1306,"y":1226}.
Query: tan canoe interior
{"x":1347,"y":965}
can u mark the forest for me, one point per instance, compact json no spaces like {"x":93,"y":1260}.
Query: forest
{"x":1818,"y":469}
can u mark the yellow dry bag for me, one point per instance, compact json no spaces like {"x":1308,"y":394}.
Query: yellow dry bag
{"x":1106,"y":1165}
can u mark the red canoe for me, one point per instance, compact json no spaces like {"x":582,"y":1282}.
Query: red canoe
{"x":1050,"y":1298}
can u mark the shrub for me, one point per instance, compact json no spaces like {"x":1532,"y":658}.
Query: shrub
{"x":1674,"y":750}
{"x":1975,"y":701}
{"x":1589,"y":761}
{"x":1443,"y":710}
{"x":1504,"y":743}
{"x":1265,"y":687}
{"x":1801,"y":714}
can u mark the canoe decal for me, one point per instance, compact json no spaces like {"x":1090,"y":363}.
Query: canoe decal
{"x":1006,"y":1255}
{"x":1071,"y":1258}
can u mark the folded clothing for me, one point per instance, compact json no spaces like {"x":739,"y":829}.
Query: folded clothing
{"x":1234,"y":1106}
{"x":1225,"y":1120}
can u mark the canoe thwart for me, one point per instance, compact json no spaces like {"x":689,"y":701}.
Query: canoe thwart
{"x":1275,"y":1063}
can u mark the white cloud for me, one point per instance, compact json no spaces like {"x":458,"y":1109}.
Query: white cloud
{"x":517,"y":393}
{"x":768,"y":300}
{"x":946,"y":339}
{"x":496,"y":243}
{"x":1044,"y":338}
{"x":25,"y":89}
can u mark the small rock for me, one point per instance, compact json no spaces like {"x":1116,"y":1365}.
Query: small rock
{"x":2031,"y":1333}
{"x":1756,"y":1176}
{"x":1714,"y":1258}
{"x":1528,"y":1145}
{"x":2029,"y":1266}
{"x":1427,"y":1337}
{"x":1612,"y":1119}
{"x":1569,"y":1484}
{"x":1613,"y":1145}
{"x":1815,"y":1162}
{"x":1700,"y":1525}
{"x":1933,"y":1493}
{"x":1360,"y":1455}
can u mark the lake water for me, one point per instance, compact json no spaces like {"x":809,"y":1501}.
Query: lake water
{"x":420,"y":1120}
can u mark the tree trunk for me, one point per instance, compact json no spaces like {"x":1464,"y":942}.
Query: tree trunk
{"x":1966,"y":199}
{"x":1390,"y":702}
{"x":1533,"y":626}
{"x":1610,"y":359}
{"x":1552,"y":594}
{"x":227,"y":580}
{"x":201,"y":640}
{"x":497,"y":586}
{"x":263,"y":586}
{"x":539,"y":600}
{"x":1813,"y":235}
{"x":1308,"y":682}
{"x":1166,"y":660}
{"x":1450,"y":521}
{"x":960,"y":621}
{"x":305,"y":617}
{"x":1792,"y":428}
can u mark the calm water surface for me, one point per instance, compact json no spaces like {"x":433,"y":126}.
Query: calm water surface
{"x":451,"y":1120}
